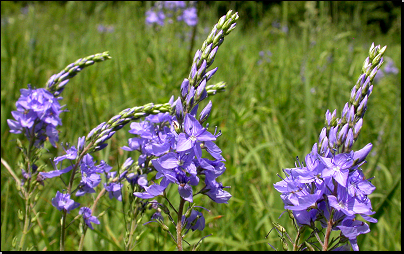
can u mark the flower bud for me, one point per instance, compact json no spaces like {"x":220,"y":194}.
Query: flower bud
{"x":349,"y":139}
{"x":184,"y":87}
{"x":360,"y":155}
{"x":203,"y":116}
{"x":179,"y":111}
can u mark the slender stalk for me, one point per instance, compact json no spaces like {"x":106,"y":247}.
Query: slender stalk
{"x":133,"y":227}
{"x":179,"y":224}
{"x":81,"y":244}
{"x":296,"y":243}
{"x":26,"y":223}
{"x":327,"y":234}
{"x":11,"y":171}
{"x":62,"y":237}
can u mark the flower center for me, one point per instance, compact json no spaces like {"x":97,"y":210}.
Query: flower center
{"x":193,"y":138}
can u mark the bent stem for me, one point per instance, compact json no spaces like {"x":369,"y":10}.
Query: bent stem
{"x":179,"y":224}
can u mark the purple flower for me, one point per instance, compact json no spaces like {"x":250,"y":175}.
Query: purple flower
{"x":194,"y":221}
{"x":214,"y":191}
{"x":133,"y":179}
{"x":305,"y":217}
{"x":88,"y":183}
{"x":194,"y":132}
{"x":358,"y":186}
{"x":114,"y":190}
{"x":153,"y":17}
{"x":153,"y":190}
{"x":63,"y":202}
{"x":88,"y":218}
{"x":38,"y":109}
{"x":178,"y":176}
{"x":105,"y":29}
{"x":55,"y":173}
{"x":351,"y":229}
{"x":71,"y":154}
{"x":172,"y":5}
{"x":347,"y":204}
{"x":338,"y":167}
{"x":189,"y":16}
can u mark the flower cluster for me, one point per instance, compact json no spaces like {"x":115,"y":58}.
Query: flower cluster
{"x":170,"y":9}
{"x":331,"y":187}
{"x":177,"y":156}
{"x":91,"y":176}
{"x":37,"y":116}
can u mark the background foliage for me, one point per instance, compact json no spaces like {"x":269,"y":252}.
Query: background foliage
{"x":272,"y":111}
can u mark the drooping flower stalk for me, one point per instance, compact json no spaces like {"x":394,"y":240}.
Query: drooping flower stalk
{"x":57,"y":82}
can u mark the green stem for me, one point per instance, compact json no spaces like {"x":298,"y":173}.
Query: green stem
{"x":133,"y":227}
{"x":26,"y":222}
{"x":63,"y":233}
{"x":179,"y":224}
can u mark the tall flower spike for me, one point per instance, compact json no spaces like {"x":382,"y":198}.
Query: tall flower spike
{"x":355,"y":109}
{"x":204,"y":57}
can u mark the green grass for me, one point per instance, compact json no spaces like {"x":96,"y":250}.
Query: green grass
{"x":269,"y":114}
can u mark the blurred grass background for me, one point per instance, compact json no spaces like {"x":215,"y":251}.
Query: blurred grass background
{"x":272,"y":110}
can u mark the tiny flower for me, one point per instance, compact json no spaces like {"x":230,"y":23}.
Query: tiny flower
{"x":351,"y":229}
{"x":194,"y":221}
{"x":338,"y":167}
{"x":114,"y":190}
{"x":63,"y":202}
{"x":189,"y":16}
{"x":88,"y":218}
{"x":193,"y":132}
{"x":71,"y":154}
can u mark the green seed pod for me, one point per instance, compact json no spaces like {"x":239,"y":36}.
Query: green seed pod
{"x":37,"y":196}
{"x":20,"y":215}
{"x":14,"y":242}
{"x":284,"y":244}
{"x":164,"y":226}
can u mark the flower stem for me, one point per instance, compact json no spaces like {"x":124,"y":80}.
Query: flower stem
{"x":26,"y":222}
{"x":327,"y":234}
{"x":179,"y":224}
{"x":63,"y":233}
